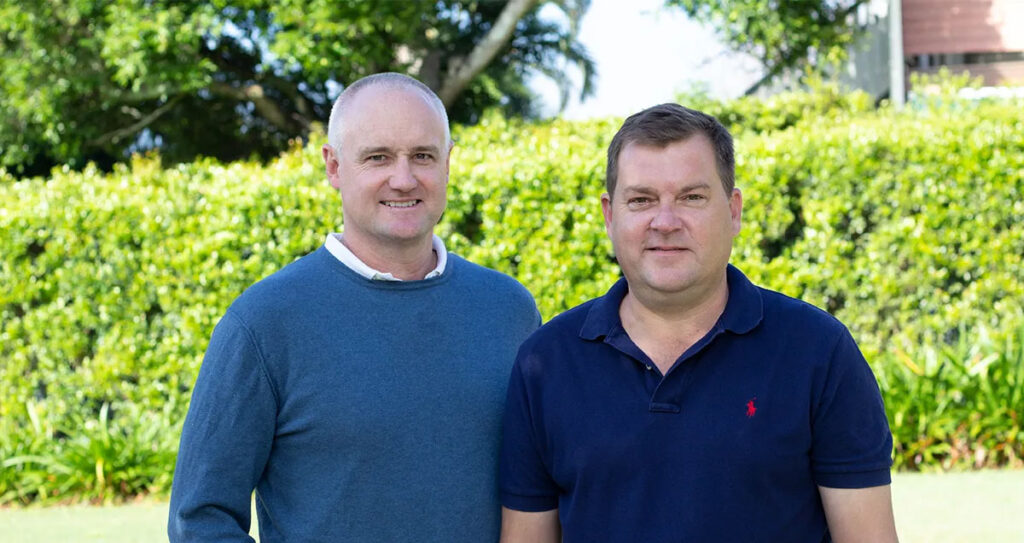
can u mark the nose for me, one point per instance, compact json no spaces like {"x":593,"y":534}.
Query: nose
{"x":402,"y":178}
{"x":666,"y":219}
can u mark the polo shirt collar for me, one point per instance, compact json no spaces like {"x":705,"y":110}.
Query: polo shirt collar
{"x":743,"y":312}
{"x":745,"y":308}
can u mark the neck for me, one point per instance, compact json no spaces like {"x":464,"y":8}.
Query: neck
{"x":657,"y":313}
{"x":406,"y":262}
{"x":664,"y":327}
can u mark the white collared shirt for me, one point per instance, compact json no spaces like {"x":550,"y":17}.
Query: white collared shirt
{"x":334,"y":245}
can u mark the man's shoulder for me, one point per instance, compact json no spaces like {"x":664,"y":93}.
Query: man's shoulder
{"x":471,"y":275}
{"x":781,"y":310}
{"x":559,"y":330}
{"x":471,"y":270}
{"x":290,"y":284}
{"x":556,"y":352}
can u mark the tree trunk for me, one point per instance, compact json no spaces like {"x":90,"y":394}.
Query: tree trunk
{"x":460,"y":74}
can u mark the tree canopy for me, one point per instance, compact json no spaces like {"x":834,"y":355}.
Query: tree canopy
{"x":97,"y":79}
{"x":781,"y":34}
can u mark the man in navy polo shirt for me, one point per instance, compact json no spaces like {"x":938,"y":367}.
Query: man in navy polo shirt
{"x":688,"y":404}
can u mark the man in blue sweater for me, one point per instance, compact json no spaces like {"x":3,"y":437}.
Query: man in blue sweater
{"x":688,"y":404}
{"x":359,"y":391}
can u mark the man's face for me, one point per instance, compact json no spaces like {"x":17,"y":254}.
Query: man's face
{"x":392,"y":170}
{"x":670,"y":220}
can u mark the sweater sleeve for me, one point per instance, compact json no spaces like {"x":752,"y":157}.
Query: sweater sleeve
{"x":226,"y":440}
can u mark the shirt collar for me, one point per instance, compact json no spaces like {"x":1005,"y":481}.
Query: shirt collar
{"x":743,"y":311}
{"x":334,"y":245}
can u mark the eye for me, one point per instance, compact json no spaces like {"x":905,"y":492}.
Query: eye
{"x":376,"y":158}
{"x":638,"y":201}
{"x":694,"y":197}
{"x":423,"y":157}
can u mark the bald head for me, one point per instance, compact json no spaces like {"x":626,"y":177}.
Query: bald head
{"x":384,"y":81}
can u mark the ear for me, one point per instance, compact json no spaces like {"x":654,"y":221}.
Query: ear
{"x":448,"y":160}
{"x":606,"y":210}
{"x":736,"y":210}
{"x":331,"y":164}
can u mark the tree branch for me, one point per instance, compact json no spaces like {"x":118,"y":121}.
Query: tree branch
{"x":116,"y":135}
{"x":267,"y":108}
{"x":303,"y":110}
{"x":460,"y":74}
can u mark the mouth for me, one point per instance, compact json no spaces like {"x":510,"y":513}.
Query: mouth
{"x":401,"y":204}
{"x":664,"y":249}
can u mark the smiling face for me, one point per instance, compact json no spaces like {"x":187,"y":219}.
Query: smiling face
{"x":392,"y":170}
{"x":670,"y":221}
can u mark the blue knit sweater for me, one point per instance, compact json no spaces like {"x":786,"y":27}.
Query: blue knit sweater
{"x":359,"y":410}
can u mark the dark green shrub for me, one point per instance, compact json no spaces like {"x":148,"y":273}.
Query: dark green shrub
{"x":904,"y":225}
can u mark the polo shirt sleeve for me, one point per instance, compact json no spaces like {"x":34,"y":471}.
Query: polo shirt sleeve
{"x":851,"y":444}
{"x":525,"y":481}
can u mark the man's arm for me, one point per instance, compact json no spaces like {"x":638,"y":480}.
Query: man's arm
{"x":859,"y":514}
{"x":225,"y":441}
{"x":524,"y":527}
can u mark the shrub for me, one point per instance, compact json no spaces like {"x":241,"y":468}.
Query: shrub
{"x":111,"y":287}
{"x":904,"y":225}
{"x":824,"y":102}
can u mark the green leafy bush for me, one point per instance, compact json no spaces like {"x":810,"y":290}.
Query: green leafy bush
{"x":111,"y":287}
{"x":904,"y":225}
{"x":824,"y":102}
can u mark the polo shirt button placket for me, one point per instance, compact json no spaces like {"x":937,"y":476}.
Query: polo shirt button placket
{"x":648,"y":375}
{"x":662,"y":403}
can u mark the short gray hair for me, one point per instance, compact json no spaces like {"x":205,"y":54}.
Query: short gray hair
{"x":390,"y":80}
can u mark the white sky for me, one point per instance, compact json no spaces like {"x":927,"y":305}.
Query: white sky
{"x":645,"y":55}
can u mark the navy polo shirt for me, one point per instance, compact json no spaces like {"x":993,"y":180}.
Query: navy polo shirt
{"x":729,"y":445}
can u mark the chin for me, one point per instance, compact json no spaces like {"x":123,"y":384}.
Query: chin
{"x":407,"y":236}
{"x":404,"y":230}
{"x":668,"y":285}
{"x":670,"y":288}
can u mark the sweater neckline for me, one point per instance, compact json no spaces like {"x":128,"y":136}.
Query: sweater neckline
{"x":328,"y":260}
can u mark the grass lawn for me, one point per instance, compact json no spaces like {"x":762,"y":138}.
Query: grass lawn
{"x":985,"y":506}
{"x":982,"y":506}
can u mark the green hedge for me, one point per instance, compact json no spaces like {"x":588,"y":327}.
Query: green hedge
{"x":904,"y":225}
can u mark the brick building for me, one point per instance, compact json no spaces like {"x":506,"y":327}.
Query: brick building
{"x":983,"y":37}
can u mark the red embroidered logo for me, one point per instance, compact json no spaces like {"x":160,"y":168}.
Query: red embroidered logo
{"x":750,"y":407}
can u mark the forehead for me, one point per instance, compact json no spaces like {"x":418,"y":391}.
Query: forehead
{"x":386,"y":116}
{"x":684,"y":161}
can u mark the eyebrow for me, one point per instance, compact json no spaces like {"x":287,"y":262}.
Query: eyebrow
{"x":426,"y":148}
{"x":643,"y":189}
{"x":366,"y":151}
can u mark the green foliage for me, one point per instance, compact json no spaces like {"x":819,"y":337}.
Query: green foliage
{"x":73,"y":74}
{"x":944,"y":83}
{"x":821,"y":102}
{"x":112,"y":285}
{"x":102,"y":458}
{"x":525,"y":199}
{"x":903,"y":224}
{"x":781,"y":34}
{"x":959,"y":405}
{"x":97,"y":80}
